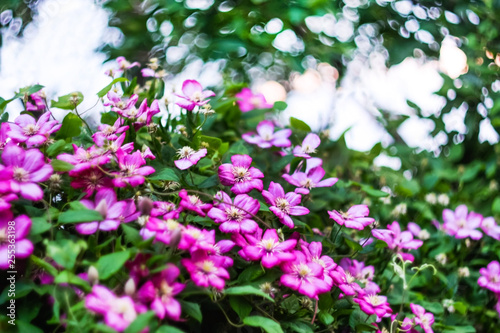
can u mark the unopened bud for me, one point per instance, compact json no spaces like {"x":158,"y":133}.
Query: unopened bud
{"x":145,"y":205}
{"x":441,"y":258}
{"x":443,"y":199}
{"x":176,"y":238}
{"x":204,"y":144}
{"x":448,"y":304}
{"x":93,"y":275}
{"x":55,"y":181}
{"x":424,"y":234}
{"x":463,"y":272}
{"x":130,"y":287}
{"x":431,"y":198}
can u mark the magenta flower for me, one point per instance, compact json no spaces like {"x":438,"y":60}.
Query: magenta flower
{"x":284,"y":205}
{"x":6,"y":175}
{"x":345,"y":281}
{"x":5,"y":199}
{"x":122,"y":106}
{"x":108,"y":132}
{"x":267,"y":138}
{"x":268,"y":248}
{"x":304,"y":276}
{"x":91,"y":180}
{"x":132,"y":171}
{"x":247,"y":100}
{"x":84,"y":159}
{"x":309,"y":145}
{"x":113,"y":212}
{"x":159,"y":293}
{"x":374,"y":304}
{"x":462,"y":225}
{"x":490,"y":277}
{"x":189,"y":157}
{"x":193,"y":239}
{"x":355,"y":218}
{"x":206,"y":270}
{"x":26,"y":129}
{"x":397,"y":240}
{"x":424,"y":319}
{"x":241,"y":175}
{"x":235,"y":217}
{"x":38,"y":100}
{"x":14,"y":232}
{"x":4,"y":129}
{"x":312,"y":252}
{"x":166,"y":210}
{"x":167,"y":232}
{"x":193,"y":95}
{"x":489,"y":227}
{"x":145,"y":114}
{"x":306,"y":181}
{"x":118,"y":312}
{"x":28,"y":168}
{"x":124,"y":64}
{"x":358,"y":269}
{"x":193,"y":203}
{"x":138,"y":268}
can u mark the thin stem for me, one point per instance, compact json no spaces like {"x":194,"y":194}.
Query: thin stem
{"x":227,"y":317}
{"x":338,"y":231}
{"x":315,"y":312}
{"x":81,"y":118}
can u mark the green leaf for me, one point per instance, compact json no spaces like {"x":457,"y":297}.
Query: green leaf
{"x":43,"y":264}
{"x":213,"y":142}
{"x":165,"y":174}
{"x":247,"y":290}
{"x":30,"y":90}
{"x":131,"y":234}
{"x":71,"y":127}
{"x":280,"y":106}
{"x":140,"y":322}
{"x":298,"y":326}
{"x":358,"y":317}
{"x":168,"y":329}
{"x":353,"y":245}
{"x":459,"y":329}
{"x":65,"y":251}
{"x":325,"y":317}
{"x":105,"y":90}
{"x":39,"y":225}
{"x":68,"y":102}
{"x":109,"y":264}
{"x":299,"y":125}
{"x":268,"y":325}
{"x":192,"y":309}
{"x":66,"y":277}
{"x":209,"y":182}
{"x":240,"y":305}
{"x":56,"y":147}
{"x":496,"y":206}
{"x":373,"y":192}
{"x":80,"y":216}
{"x":59,"y":165}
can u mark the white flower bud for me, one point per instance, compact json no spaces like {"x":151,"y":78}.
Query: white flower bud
{"x":130,"y":287}
{"x":463,"y":272}
{"x":443,"y":199}
{"x":93,"y":275}
{"x":431,"y":198}
{"x":441,"y":258}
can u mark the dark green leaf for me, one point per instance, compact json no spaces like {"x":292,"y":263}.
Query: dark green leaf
{"x":192,"y":309}
{"x":299,"y":125}
{"x":71,"y":127}
{"x":105,"y":90}
{"x":68,"y":102}
{"x":268,"y":325}
{"x":140,"y":322}
{"x":241,"y":306}
{"x":247,"y":290}
{"x":80,"y":216}
{"x":165,"y":174}
{"x":109,"y":264}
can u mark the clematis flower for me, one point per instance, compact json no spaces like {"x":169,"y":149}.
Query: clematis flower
{"x":235,"y":217}
{"x":358,"y":269}
{"x":417,"y":231}
{"x":312,"y":179}
{"x":159,"y":293}
{"x":5,"y":199}
{"x":168,"y":231}
{"x":268,"y":248}
{"x":84,"y":159}
{"x":38,"y":99}
{"x":267,"y":138}
{"x":121,"y":106}
{"x":145,"y":114}
{"x":283,"y":205}
{"x":124,"y":64}
{"x":113,"y":212}
{"x":309,"y":145}
{"x":247,"y":100}
{"x":355,"y":218}
{"x":424,"y":319}
{"x":193,"y":239}
{"x":462,"y":225}
{"x":345,"y":281}
{"x":193,"y":203}
{"x":193,"y":95}
{"x":166,"y":210}
{"x":374,"y":304}
{"x":312,"y":252}
{"x":189,"y":157}
{"x":132,"y":171}
{"x":28,"y":168}
{"x":14,"y":234}
{"x":91,"y":180}
{"x":206,"y":270}
{"x":31,"y":132}
{"x":241,"y":175}
{"x":138,"y":268}
{"x":304,"y":276}
{"x":398,"y":240}
{"x":491,"y":228}
{"x":109,"y":132}
{"x":6,"y":174}
{"x":4,"y":129}
{"x":490,"y":277}
{"x":118,"y":312}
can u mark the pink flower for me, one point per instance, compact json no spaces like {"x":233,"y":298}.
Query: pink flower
{"x":189,"y":157}
{"x":26,"y":129}
{"x":123,"y":64}
{"x":113,"y":212}
{"x":247,"y":101}
{"x":490,"y":277}
{"x":268,"y":248}
{"x":193,"y":95}
{"x":462,"y":225}
{"x":355,"y":218}
{"x":397,"y":240}
{"x":120,"y":106}
{"x":4,"y":129}
{"x":425,"y":320}
{"x":193,"y":203}
{"x":91,"y":180}
{"x":312,"y":252}
{"x":491,"y":228}
{"x":84,"y":159}
{"x":374,"y":304}
{"x":304,"y":276}
{"x":118,"y":312}
{"x":345,"y":281}
{"x":14,"y":232}
{"x":309,"y":145}
{"x":145,"y":114}
{"x":28,"y":168}
{"x":138,"y":268}
{"x":312,"y":179}
{"x":235,"y":217}
{"x":108,"y":132}
{"x":167,"y":210}
{"x":6,"y":174}
{"x":284,"y":205}
{"x":193,"y":239}
{"x":206,"y":270}
{"x":38,"y":100}
{"x":132,"y":171}
{"x":159,"y":293}
{"x":5,"y":199}
{"x":168,"y":232}
{"x":358,"y":269}
{"x":267,"y":138}
{"x":241,"y":175}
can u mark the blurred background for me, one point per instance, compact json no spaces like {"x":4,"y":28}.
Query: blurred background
{"x":423,"y":73}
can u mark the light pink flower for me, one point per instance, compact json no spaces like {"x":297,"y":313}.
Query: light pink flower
{"x":32,"y":132}
{"x":122,"y":107}
{"x":189,"y":157}
{"x":247,"y":100}
{"x":268,"y":248}
{"x":309,"y":145}
{"x":358,"y":269}
{"x":283,"y":205}
{"x":193,"y":95}
{"x":312,"y":179}
{"x":124,"y":64}
{"x":491,"y":228}
{"x":109,"y":132}
{"x":241,"y":175}
{"x":132,"y":171}
{"x":237,"y":217}
{"x":397,"y":240}
{"x":462,"y":225}
{"x":374,"y":304}
{"x":345,"y":281}
{"x":14,"y":232}
{"x":84,"y":159}
{"x":490,"y":277}
{"x":206,"y":270}
{"x":267,"y":138}
{"x":355,"y":218}
{"x":193,"y":203}
{"x":424,"y":319}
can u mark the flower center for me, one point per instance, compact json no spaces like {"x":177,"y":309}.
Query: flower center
{"x":121,"y":105}
{"x":308,"y":149}
{"x":193,"y":199}
{"x":349,"y":278}
{"x":208,"y":266}
{"x":234,"y":214}
{"x":375,"y":300}
{"x":185,"y":152}
{"x":303,"y":270}
{"x":108,"y":130}
{"x":255,"y":101}
{"x":31,"y":129}
{"x":462,"y":223}
{"x":165,"y":289}
{"x":21,"y":175}
{"x":267,"y":136}
{"x":283,"y":205}
{"x":241,"y":174}
{"x":268,"y":244}
{"x":129,"y":169}
{"x":172,"y":225}
{"x":308,"y":183}
{"x":197,"y":96}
